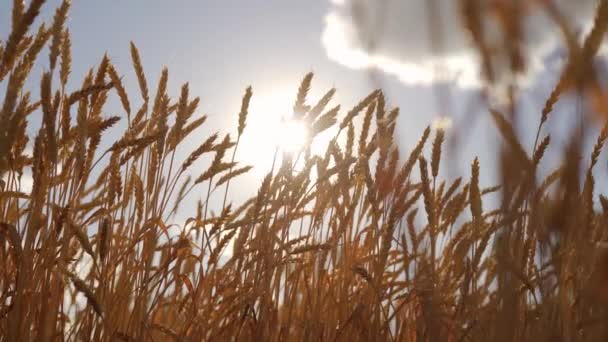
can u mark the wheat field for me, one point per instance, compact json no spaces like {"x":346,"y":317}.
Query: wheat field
{"x":364,"y":242}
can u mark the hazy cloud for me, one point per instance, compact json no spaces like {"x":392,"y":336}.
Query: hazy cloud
{"x":393,"y":36}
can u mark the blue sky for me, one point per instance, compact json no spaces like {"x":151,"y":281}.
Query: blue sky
{"x":220,"y":47}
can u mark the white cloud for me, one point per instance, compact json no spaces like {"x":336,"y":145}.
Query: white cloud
{"x":393,"y":36}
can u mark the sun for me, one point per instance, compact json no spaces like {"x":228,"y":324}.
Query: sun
{"x":291,"y":135}
{"x":271,"y":127}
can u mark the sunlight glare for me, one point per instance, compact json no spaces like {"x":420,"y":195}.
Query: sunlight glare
{"x":270,"y":126}
{"x":291,"y":136}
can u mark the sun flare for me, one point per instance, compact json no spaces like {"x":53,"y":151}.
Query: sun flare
{"x":291,"y":135}
{"x":271,"y":126}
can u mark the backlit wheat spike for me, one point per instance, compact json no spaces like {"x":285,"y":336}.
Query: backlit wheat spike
{"x":105,"y":237}
{"x":24,"y":45}
{"x":191,"y":127}
{"x":31,"y":53}
{"x":181,"y":194}
{"x":599,"y":145}
{"x":181,"y":117}
{"x":474,"y":193}
{"x":407,"y":167}
{"x":160,"y":93}
{"x":18,"y":9}
{"x":380,"y":106}
{"x":436,"y":154}
{"x":450,"y":191}
{"x":49,"y":116}
{"x":81,"y":286}
{"x":324,"y":122}
{"x":310,"y":248}
{"x":540,"y":150}
{"x":17,"y":79}
{"x":220,"y":247}
{"x":244,"y":110}
{"x":358,"y":108}
{"x":232,"y":174}
{"x":300,"y":107}
{"x":429,"y":205}
{"x":114,"y":180}
{"x":86,"y":91}
{"x":192,"y":107}
{"x":217,"y":167}
{"x":102,"y":70}
{"x":552,"y":100}
{"x":350,"y":140}
{"x":57,"y":31}
{"x":82,"y":237}
{"x":139,"y":196}
{"x":126,"y":142}
{"x":117,"y":82}
{"x":66,"y":57}
{"x":205,"y":147}
{"x":320,"y":106}
{"x":391,"y":167}
{"x":18,"y":31}
{"x":139,"y":71}
{"x":367,"y":120}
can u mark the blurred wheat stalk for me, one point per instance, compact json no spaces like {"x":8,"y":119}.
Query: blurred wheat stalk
{"x":360,"y":243}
